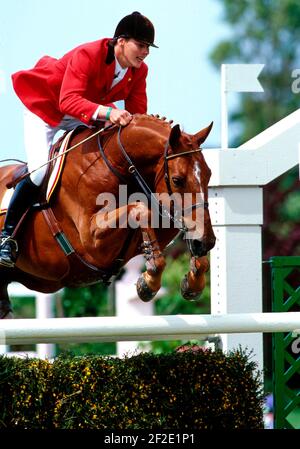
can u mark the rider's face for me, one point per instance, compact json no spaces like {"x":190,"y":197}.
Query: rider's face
{"x":130,"y":52}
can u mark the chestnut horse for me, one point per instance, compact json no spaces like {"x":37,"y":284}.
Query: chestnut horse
{"x":78,"y":240}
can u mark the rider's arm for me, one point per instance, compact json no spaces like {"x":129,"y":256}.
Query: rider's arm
{"x":76,"y":83}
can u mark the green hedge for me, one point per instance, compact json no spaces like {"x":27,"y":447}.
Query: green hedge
{"x":191,"y":389}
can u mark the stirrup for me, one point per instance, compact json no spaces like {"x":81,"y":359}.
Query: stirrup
{"x":9,"y":239}
{"x":10,"y":246}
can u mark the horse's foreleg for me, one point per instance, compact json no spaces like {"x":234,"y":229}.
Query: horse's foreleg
{"x":194,"y":282}
{"x":137,"y":216}
{"x":149,"y":282}
{"x":5,"y":305}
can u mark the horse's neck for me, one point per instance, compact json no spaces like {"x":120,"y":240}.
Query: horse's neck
{"x":144,"y":143}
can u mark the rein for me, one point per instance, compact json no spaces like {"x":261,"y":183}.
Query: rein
{"x":73,"y":147}
{"x":17,"y":180}
{"x":162,"y":210}
{"x":136,"y":174}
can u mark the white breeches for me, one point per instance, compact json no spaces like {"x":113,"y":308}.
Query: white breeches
{"x":38,"y":138}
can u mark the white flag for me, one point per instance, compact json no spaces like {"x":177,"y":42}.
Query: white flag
{"x":242,"y":77}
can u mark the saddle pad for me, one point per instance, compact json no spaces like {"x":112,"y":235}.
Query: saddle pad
{"x":58,"y":167}
{"x":53,"y":180}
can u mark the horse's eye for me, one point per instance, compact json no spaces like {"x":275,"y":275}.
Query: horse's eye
{"x":178,"y":181}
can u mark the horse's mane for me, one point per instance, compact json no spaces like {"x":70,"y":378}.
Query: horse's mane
{"x":137,"y":118}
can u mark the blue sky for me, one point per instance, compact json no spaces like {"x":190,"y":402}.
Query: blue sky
{"x":182,"y":84}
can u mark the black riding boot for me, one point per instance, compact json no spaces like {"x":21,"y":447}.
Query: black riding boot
{"x":24,"y":196}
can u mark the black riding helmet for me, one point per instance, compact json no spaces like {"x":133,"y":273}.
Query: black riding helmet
{"x":136,"y":26}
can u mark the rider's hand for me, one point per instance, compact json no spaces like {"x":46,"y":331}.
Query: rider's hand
{"x":120,"y":117}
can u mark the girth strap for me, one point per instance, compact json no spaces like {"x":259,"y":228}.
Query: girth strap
{"x":57,"y":232}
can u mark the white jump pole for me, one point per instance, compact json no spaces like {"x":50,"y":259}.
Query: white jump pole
{"x":168,"y":327}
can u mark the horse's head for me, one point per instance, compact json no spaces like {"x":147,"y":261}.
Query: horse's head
{"x":186,"y":177}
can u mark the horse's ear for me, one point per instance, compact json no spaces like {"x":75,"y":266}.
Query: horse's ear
{"x":201,"y":136}
{"x":174,"y":137}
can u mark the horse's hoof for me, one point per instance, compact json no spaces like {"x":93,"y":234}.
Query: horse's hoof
{"x":143,"y":291}
{"x":186,"y":292}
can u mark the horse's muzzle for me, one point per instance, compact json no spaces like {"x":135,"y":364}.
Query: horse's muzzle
{"x":200,"y":248}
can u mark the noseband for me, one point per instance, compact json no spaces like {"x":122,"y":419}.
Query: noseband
{"x":144,"y":186}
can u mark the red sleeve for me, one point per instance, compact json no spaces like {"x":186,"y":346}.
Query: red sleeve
{"x":74,"y":87}
{"x":136,"y":101}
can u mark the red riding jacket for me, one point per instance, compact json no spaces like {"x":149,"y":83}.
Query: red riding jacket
{"x":77,"y":83}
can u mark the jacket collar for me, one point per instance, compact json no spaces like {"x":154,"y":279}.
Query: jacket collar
{"x":110,"y":61}
{"x":110,"y":57}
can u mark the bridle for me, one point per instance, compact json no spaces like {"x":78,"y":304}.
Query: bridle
{"x":162,"y":210}
{"x":167,"y":157}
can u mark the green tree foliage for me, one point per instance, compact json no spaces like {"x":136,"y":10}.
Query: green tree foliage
{"x":267,"y":32}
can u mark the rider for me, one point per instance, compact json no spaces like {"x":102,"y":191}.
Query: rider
{"x":79,"y":88}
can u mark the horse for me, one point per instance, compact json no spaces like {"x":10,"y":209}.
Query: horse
{"x":77,"y":240}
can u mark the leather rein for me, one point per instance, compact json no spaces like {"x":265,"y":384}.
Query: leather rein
{"x":163,"y":211}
